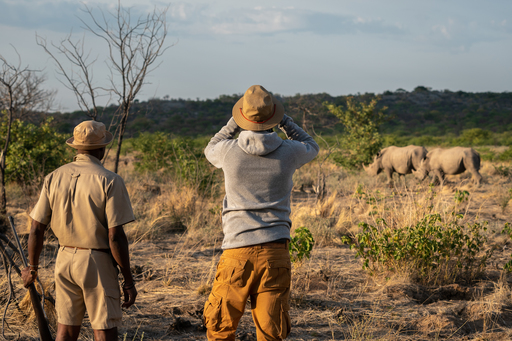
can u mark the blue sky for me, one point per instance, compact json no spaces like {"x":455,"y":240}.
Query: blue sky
{"x":290,"y":46}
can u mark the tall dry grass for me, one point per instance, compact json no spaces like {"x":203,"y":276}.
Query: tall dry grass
{"x":177,"y":227}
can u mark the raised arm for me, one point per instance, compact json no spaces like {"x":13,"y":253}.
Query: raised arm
{"x":212,"y":150}
{"x":294,"y":132}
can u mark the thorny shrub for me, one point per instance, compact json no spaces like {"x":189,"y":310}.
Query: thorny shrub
{"x":432,"y":251}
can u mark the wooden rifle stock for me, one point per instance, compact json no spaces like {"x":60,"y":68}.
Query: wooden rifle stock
{"x":42,"y":323}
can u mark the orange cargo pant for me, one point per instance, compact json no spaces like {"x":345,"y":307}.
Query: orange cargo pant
{"x":258,"y":272}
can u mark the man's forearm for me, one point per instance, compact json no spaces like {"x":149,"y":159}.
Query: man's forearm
{"x":119,"y":248}
{"x":35,"y":242}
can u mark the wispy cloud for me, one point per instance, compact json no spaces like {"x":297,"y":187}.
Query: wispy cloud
{"x":51,"y":15}
{"x":55,"y":15}
{"x":197,"y":19}
{"x":272,"y":21}
{"x":459,"y":35}
{"x":189,"y":19}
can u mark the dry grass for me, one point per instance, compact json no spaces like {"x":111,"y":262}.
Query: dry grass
{"x":175,"y":244}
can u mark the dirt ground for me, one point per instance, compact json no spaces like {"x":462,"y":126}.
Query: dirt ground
{"x":332,"y":297}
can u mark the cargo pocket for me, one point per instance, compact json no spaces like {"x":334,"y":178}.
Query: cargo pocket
{"x":113,"y":312}
{"x":212,"y":313}
{"x":278,"y":274}
{"x":231,"y":271}
{"x":286,"y":323}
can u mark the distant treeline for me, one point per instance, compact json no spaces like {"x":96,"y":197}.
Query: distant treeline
{"x":422,"y":113}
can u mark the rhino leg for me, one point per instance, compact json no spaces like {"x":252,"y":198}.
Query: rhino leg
{"x":472,"y":166}
{"x":477,"y":177}
{"x":438,"y":174}
{"x":389,"y":174}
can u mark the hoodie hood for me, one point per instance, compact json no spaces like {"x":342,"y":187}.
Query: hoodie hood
{"x":258,"y":143}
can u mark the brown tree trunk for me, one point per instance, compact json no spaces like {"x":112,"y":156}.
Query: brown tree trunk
{"x":3,"y":197}
{"x":122,"y":126}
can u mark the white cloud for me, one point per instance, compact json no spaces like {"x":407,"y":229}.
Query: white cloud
{"x":272,"y":20}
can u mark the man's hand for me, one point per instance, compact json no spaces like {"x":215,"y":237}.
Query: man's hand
{"x":29,"y":276}
{"x":130,"y":293}
{"x":283,"y":121}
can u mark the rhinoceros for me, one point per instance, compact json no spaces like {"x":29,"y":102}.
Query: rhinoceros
{"x":451,"y":161}
{"x":402,"y":160}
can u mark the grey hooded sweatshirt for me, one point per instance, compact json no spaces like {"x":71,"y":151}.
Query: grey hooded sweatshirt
{"x":258,"y":169}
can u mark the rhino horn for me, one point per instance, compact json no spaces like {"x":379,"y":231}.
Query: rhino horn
{"x":364,"y":167}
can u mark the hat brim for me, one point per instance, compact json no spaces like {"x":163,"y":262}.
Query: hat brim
{"x":247,"y":124}
{"x":108,"y":139}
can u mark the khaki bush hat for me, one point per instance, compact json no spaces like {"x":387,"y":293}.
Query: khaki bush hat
{"x":258,"y":110}
{"x":90,"y":135}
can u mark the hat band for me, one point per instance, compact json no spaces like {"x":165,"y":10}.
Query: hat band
{"x":258,"y":122}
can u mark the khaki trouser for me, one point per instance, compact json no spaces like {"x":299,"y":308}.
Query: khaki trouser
{"x":264,"y":275}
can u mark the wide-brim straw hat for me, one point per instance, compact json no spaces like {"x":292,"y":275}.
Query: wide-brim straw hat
{"x":90,"y":135}
{"x":258,"y":110}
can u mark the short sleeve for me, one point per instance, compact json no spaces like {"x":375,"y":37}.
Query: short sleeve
{"x":42,"y":212}
{"x":118,"y":207}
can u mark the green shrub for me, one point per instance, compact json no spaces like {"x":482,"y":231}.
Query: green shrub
{"x":474,"y":137}
{"x":486,"y":153}
{"x":34,"y":151}
{"x":301,"y":245}
{"x":181,"y":158}
{"x":432,"y":251}
{"x":506,"y":155}
{"x":155,"y":151}
{"x":508,"y":231}
{"x":361,"y":140}
{"x":503,"y":170}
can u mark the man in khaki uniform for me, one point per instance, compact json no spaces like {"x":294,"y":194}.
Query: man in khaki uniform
{"x":87,"y":206}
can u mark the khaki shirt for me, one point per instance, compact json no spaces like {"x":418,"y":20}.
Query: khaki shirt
{"x":83,"y":200}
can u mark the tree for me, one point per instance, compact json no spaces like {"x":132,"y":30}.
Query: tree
{"x":133,"y":48}
{"x":21,"y":93}
{"x":361,"y":139}
{"x":29,"y":98}
{"x":79,"y":81}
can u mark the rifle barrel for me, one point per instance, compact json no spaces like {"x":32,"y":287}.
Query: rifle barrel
{"x":42,"y":323}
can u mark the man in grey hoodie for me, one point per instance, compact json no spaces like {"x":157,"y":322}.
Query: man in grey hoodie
{"x":258,"y":169}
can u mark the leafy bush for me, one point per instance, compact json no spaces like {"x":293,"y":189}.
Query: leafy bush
{"x":506,"y":155}
{"x":181,"y":158}
{"x":508,"y":231}
{"x":503,"y":170}
{"x":361,"y":140}
{"x":34,"y":151}
{"x":474,"y":137}
{"x":432,"y":251}
{"x":301,"y":244}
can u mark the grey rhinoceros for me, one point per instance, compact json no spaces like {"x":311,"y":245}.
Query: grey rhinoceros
{"x":402,"y":160}
{"x":451,"y":161}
